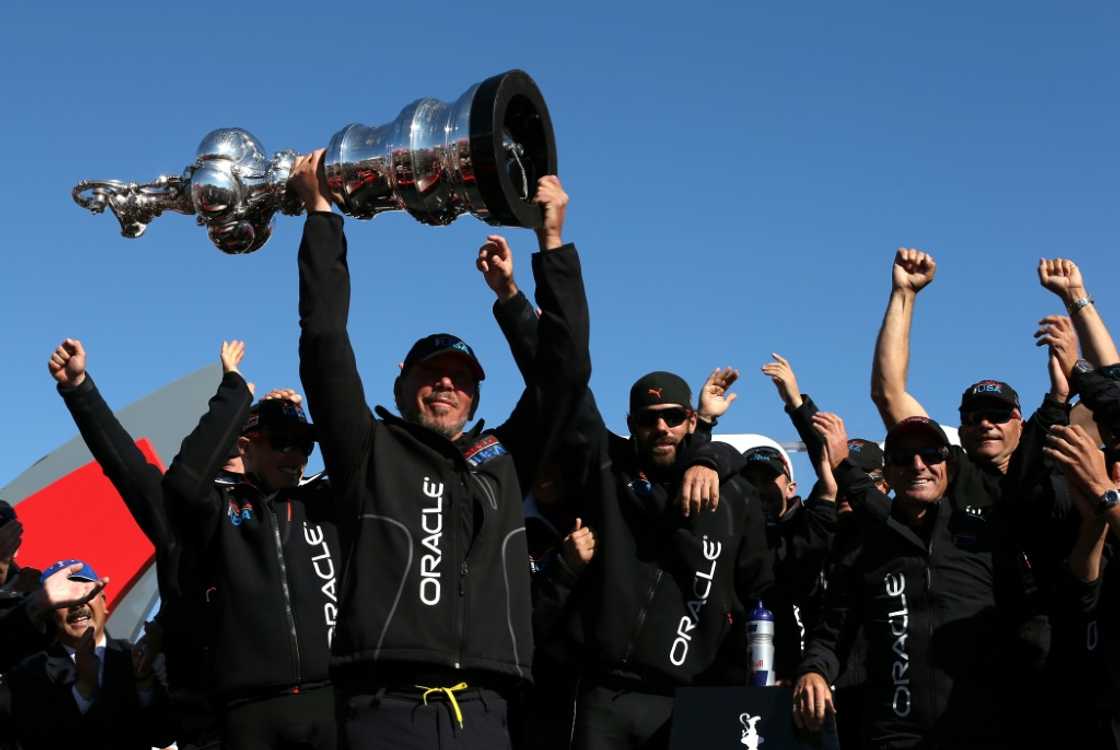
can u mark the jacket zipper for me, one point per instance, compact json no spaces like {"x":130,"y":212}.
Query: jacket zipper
{"x":642,"y":617}
{"x":456,"y":522}
{"x":287,"y":594}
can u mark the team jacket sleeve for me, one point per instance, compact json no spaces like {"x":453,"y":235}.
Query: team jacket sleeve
{"x":1027,"y":467}
{"x":1101,"y":393}
{"x":326,"y":360}
{"x":802,"y":418}
{"x":188,"y":483}
{"x":518,"y":322}
{"x":136,"y":481}
{"x":562,"y":365}
{"x":869,"y":504}
{"x":811,"y":541}
{"x":722,"y":458}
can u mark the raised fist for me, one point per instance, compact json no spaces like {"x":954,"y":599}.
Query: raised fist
{"x":67,"y":364}
{"x":554,"y":202}
{"x":913,"y":270}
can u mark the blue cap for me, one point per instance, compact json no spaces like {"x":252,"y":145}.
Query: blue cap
{"x":87,"y":573}
{"x":761,"y":613}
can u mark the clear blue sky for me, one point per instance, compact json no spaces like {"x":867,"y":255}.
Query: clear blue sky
{"x":740,"y":174}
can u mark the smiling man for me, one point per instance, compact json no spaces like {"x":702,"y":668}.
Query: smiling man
{"x":937,"y":589}
{"x":434,"y":634}
{"x":86,"y":688}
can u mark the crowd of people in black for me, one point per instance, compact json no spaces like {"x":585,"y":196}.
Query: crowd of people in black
{"x":549,"y":584}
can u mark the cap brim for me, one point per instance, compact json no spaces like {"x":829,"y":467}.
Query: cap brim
{"x":479,"y":374}
{"x":913,"y":428}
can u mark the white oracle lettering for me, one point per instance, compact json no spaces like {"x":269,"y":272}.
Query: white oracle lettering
{"x":330,"y":614}
{"x":313,"y":534}
{"x":894,"y":584}
{"x":901,"y":702}
{"x":323,"y":565}
{"x":430,"y":586}
{"x":800,"y":626}
{"x":678,"y":652}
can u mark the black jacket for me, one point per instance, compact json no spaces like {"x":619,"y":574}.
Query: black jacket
{"x":799,"y":542}
{"x":433,"y":534}
{"x":37,"y":697}
{"x":936,"y":612}
{"x":140,"y":485}
{"x":19,"y":635}
{"x":270,"y":561}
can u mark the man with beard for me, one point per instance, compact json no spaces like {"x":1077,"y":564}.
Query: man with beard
{"x":680,"y":551}
{"x":434,"y":636}
{"x":936,"y":588}
{"x":87,"y":688}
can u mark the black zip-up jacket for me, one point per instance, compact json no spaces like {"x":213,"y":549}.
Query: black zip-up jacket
{"x":799,"y":542}
{"x":271,"y":560}
{"x":436,"y":573}
{"x":937,"y":614}
{"x":140,"y":485}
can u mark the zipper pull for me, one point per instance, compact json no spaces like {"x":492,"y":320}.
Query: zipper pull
{"x":464,"y":569}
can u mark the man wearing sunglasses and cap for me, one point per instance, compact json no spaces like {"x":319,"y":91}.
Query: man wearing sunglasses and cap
{"x":936,"y":587}
{"x":434,"y":636}
{"x":268,"y":548}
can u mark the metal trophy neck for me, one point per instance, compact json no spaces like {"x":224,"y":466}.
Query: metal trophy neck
{"x":481,"y":154}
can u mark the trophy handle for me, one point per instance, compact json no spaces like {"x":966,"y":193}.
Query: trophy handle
{"x":133,"y":204}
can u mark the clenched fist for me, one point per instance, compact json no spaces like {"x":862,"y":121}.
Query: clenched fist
{"x":913,"y":270}
{"x":67,"y":364}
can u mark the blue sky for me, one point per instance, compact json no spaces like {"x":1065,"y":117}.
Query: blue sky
{"x":740,"y":174}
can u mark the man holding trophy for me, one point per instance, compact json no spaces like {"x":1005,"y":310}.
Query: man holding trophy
{"x":434,"y":635}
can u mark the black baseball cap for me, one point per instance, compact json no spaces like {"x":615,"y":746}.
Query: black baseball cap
{"x":865,"y":454}
{"x":985,"y":392}
{"x":440,"y":343}
{"x":657,"y":388}
{"x":278,"y":416}
{"x":912,"y":425}
{"x":765,"y":455}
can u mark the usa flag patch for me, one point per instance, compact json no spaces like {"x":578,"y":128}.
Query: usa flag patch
{"x":484,"y":450}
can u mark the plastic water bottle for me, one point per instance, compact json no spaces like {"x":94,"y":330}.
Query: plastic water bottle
{"x":760,"y":646}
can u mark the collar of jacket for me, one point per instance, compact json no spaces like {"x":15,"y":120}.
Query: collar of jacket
{"x":451,"y":449}
{"x":942,"y":510}
{"x":795,"y":504}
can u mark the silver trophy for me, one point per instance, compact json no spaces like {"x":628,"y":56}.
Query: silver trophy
{"x":481,"y":154}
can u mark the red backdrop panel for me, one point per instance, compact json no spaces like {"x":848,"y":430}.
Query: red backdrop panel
{"x":81,"y":516}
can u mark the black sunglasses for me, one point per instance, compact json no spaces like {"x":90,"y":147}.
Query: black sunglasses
{"x":929,"y":456}
{"x":291,"y":443}
{"x":672,"y":417}
{"x":995,"y":416}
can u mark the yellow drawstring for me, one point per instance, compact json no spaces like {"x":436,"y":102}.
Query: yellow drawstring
{"x":450,"y":693}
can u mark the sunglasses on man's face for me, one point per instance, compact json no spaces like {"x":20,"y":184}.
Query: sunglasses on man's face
{"x":673,"y":416}
{"x":929,"y":456}
{"x":291,"y":444}
{"x":995,"y":416}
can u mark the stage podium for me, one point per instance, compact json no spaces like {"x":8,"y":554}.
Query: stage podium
{"x":734,"y":718}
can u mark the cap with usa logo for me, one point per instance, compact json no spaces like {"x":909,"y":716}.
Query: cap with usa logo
{"x":985,"y":392}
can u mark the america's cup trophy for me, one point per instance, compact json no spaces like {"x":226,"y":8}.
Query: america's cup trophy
{"x":481,"y":154}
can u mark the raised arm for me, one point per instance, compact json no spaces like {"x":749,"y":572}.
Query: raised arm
{"x":1062,"y":277}
{"x":912,"y":271}
{"x":562,"y":365}
{"x":512,"y":309}
{"x":136,"y":480}
{"x":189,"y":479}
{"x":327,"y":366}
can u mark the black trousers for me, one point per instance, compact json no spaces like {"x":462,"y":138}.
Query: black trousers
{"x":400,"y":720}
{"x":614,"y":719}
{"x":303,"y":721}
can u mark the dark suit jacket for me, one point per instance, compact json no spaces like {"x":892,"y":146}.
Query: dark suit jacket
{"x":37,"y":696}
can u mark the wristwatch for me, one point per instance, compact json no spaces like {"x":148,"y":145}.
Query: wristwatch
{"x":1079,"y":303}
{"x":1109,"y":500}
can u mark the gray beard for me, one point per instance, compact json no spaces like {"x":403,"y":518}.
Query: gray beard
{"x":448,"y":431}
